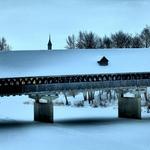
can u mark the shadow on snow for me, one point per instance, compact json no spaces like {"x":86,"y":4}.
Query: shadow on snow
{"x":10,"y":124}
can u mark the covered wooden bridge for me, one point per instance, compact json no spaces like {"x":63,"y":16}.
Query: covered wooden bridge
{"x":42,"y":73}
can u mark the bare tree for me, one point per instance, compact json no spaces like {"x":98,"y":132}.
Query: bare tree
{"x":90,"y":40}
{"x":99,"y":42}
{"x":80,"y":41}
{"x":87,"y":40}
{"x":137,"y":42}
{"x":121,"y":40}
{"x":3,"y":45}
{"x":65,"y":95}
{"x":71,"y":42}
{"x":145,"y":35}
{"x":107,"y":43}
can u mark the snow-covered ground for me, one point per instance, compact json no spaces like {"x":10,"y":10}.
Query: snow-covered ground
{"x":74,"y":128}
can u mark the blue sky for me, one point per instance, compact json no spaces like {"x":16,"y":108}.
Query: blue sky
{"x":27,"y":24}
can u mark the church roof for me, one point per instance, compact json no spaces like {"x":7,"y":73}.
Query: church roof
{"x":72,"y":62}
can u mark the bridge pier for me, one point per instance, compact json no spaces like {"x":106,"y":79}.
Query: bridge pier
{"x":43,"y":112}
{"x":129,"y":107}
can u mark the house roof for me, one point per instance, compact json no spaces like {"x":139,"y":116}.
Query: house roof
{"x":72,"y":62}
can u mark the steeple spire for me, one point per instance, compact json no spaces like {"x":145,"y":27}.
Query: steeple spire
{"x":49,"y":45}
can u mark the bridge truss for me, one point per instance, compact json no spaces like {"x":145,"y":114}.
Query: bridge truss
{"x":47,"y":84}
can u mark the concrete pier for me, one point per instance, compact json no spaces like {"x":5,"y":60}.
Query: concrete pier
{"x":43,"y":112}
{"x":129,"y":107}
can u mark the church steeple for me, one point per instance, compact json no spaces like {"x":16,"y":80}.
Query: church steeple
{"x":49,"y":45}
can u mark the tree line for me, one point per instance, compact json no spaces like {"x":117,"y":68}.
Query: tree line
{"x":120,"y":39}
{"x":90,"y":40}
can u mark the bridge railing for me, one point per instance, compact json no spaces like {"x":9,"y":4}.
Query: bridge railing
{"x":88,"y":85}
{"x":10,"y":88}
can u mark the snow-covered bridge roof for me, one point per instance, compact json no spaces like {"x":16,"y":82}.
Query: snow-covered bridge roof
{"x":72,"y":62}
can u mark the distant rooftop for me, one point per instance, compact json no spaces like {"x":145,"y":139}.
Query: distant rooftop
{"x":72,"y":62}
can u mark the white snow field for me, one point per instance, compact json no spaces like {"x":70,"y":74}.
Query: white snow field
{"x":74,"y":128}
{"x":72,"y":62}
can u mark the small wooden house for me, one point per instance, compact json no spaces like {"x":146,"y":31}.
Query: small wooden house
{"x":103,"y":62}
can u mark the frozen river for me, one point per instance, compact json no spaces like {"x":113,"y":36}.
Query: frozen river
{"x":74,"y":128}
